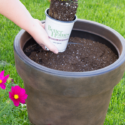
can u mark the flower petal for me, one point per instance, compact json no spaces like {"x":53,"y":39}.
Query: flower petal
{"x":5,"y":79}
{"x":12,"y":89}
{"x":16,"y":103}
{"x":3,"y":86}
{"x":2,"y":74}
{"x":23,"y":101}
{"x":17,"y":89}
{"x":22,"y":92}
{"x":23,"y":98}
{"x":10,"y":95}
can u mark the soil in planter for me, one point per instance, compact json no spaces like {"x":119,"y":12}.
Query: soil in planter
{"x":86,"y":55}
{"x":63,"y":10}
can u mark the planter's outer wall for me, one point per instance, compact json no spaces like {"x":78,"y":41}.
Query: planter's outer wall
{"x":65,"y":98}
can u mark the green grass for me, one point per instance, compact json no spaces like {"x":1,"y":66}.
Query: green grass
{"x":107,"y":12}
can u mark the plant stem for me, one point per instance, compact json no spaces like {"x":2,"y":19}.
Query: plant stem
{"x":3,"y":108}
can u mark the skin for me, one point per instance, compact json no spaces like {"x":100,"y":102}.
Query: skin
{"x":17,"y":12}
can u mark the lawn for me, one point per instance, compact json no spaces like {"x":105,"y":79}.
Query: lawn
{"x":107,"y":12}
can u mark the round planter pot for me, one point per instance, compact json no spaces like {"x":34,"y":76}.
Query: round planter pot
{"x":70,"y":98}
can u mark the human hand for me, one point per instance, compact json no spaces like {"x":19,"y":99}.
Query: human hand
{"x":39,"y":34}
{"x":17,"y":12}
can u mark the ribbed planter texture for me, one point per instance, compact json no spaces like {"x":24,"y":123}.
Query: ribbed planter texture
{"x":70,"y":98}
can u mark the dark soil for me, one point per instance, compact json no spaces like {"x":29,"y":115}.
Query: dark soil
{"x":86,"y":55}
{"x":63,"y":10}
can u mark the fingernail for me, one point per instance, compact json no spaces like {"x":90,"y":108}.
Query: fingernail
{"x":56,"y":51}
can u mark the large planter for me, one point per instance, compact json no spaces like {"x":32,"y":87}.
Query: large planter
{"x":70,"y":98}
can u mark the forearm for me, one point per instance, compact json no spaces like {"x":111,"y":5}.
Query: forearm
{"x":16,"y":12}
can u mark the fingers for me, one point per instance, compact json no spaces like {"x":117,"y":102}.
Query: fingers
{"x":38,"y":21}
{"x":43,"y":46}
{"x":41,"y":37}
{"x":51,"y":47}
{"x":41,"y":24}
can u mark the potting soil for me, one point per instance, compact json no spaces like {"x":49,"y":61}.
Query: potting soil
{"x":86,"y":55}
{"x":63,"y":10}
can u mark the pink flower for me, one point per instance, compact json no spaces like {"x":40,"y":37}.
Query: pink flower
{"x":3,"y":80}
{"x":18,"y":95}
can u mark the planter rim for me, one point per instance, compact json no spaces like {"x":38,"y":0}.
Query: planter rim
{"x":41,"y":68}
{"x":60,"y":20}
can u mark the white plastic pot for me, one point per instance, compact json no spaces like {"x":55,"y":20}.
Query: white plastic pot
{"x":58,"y":31}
